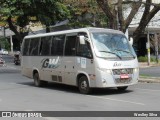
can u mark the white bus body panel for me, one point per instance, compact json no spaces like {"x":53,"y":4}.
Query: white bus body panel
{"x":69,"y":68}
{"x":100,"y":75}
{"x":98,"y":71}
{"x":105,"y":76}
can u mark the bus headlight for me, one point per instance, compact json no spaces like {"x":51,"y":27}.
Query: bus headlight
{"x":136,"y":69}
{"x":106,"y":70}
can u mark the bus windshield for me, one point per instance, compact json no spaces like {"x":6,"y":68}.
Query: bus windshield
{"x":112,"y":46}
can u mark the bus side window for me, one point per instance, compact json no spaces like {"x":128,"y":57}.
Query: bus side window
{"x":70,"y":46}
{"x":57,"y":45}
{"x":84,"y":50}
{"x":45,"y":46}
{"x":25,"y":51}
{"x":34,"y":46}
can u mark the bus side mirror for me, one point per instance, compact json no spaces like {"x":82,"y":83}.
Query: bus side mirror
{"x":131,"y":41}
{"x":81,"y":39}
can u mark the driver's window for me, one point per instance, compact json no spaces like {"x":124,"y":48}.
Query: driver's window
{"x":84,"y":50}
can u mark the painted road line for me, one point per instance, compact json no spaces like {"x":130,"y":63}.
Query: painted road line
{"x":148,"y":90}
{"x":117,"y":100}
{"x":11,"y":67}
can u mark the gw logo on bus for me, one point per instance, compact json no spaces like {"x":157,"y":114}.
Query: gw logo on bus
{"x":50,"y":63}
{"x":116,"y":64}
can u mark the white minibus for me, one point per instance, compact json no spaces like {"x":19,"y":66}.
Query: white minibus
{"x":87,"y":58}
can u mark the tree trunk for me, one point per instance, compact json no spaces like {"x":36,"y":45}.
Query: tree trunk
{"x":110,"y":12}
{"x":115,"y":15}
{"x":146,"y":18}
{"x":13,"y":28}
{"x":133,"y":12}
{"x":47,"y":29}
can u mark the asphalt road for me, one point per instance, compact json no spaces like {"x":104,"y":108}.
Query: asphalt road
{"x":17,"y":93}
{"x":150,"y":71}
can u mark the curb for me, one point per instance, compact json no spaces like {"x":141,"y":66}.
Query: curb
{"x":149,"y":80}
{"x":145,"y":65}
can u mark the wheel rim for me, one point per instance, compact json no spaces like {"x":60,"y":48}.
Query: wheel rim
{"x":84,"y":85}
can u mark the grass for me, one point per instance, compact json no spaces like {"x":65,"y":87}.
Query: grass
{"x":145,"y":75}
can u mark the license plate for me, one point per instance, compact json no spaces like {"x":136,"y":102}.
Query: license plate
{"x":124,"y":76}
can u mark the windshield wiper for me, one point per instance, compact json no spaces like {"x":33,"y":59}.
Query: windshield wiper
{"x":111,"y":53}
{"x":125,"y":51}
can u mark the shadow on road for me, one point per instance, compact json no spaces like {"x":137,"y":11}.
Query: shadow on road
{"x":73,"y":89}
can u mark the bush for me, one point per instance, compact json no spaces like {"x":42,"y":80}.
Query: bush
{"x":145,"y":59}
{"x":142,"y":59}
{"x":153,"y":59}
{"x":4,"y":43}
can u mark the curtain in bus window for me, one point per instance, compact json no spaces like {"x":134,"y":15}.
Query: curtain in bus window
{"x":57,"y":45}
{"x":70,"y":47}
{"x":26,"y":47}
{"x":45,"y":46}
{"x":34,"y":46}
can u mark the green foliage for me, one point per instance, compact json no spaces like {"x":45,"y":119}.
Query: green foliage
{"x":46,"y":11}
{"x":4,"y":43}
{"x":142,"y":59}
{"x":49,"y":11}
{"x":85,"y":13}
{"x":145,"y":59}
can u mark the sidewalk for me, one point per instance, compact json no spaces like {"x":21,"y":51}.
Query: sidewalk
{"x":148,"y":79}
{"x":145,"y":64}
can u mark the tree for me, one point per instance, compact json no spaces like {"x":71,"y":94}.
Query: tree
{"x":50,"y":11}
{"x":148,"y":14}
{"x":19,"y":13}
{"x":115,"y":13}
{"x":4,"y":43}
{"x":85,"y":13}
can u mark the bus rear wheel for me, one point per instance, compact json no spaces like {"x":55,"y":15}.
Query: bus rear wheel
{"x":122,"y":88}
{"x":37,"y":81}
{"x":83,"y":85}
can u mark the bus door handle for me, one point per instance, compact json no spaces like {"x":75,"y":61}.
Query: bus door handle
{"x":73,"y":67}
{"x":65,"y":66}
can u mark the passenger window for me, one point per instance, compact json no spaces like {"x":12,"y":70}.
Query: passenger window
{"x":45,"y":46}
{"x":34,"y":46}
{"x":84,"y":50}
{"x":70,"y":47}
{"x":26,"y":47}
{"x":57,"y":45}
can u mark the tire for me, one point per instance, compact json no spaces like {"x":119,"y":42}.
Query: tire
{"x":122,"y":88}
{"x":83,"y":85}
{"x":16,"y":63}
{"x":38,"y":82}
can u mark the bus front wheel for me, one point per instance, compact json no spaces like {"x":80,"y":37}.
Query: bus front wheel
{"x":37,"y":81}
{"x":83,"y":85}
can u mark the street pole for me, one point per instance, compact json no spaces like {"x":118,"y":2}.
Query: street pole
{"x":156,"y":46}
{"x":148,"y":48}
{"x":11,"y":41}
{"x":4,"y":32}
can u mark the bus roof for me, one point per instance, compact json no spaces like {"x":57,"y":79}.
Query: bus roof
{"x":88,"y":29}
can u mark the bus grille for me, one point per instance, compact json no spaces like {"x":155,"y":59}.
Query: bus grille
{"x":124,"y":81}
{"x":122,"y":71}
